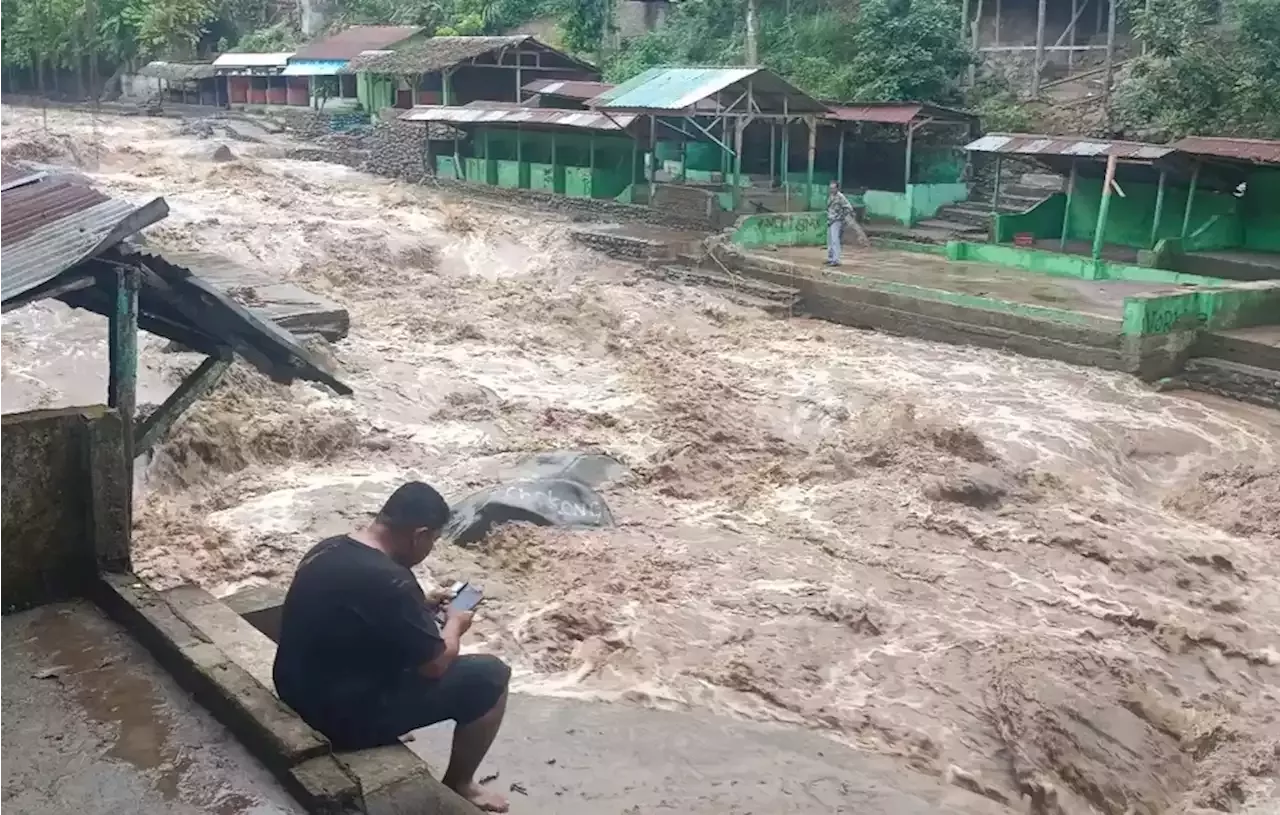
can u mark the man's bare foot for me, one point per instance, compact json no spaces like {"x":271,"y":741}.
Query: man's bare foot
{"x":482,"y":798}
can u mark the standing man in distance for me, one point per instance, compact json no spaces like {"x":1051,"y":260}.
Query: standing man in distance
{"x":361,"y":657}
{"x":839,"y":212}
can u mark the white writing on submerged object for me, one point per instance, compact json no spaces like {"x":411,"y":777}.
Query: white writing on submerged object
{"x":543,"y":502}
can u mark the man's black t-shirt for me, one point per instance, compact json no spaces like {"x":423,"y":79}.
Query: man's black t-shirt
{"x":354,"y":621}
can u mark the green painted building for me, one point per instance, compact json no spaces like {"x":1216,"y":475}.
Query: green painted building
{"x":582,"y":154}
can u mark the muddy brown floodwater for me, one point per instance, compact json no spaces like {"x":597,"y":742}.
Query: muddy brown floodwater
{"x":1044,"y":582}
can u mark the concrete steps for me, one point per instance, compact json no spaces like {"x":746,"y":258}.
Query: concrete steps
{"x":1243,"y":347}
{"x":768,"y":297}
{"x":957,"y":227}
{"x":1234,"y":380}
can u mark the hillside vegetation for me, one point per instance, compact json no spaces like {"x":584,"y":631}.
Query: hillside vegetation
{"x":1206,"y":69}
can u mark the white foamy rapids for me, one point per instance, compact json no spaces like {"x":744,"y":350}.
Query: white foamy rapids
{"x":1108,"y":624}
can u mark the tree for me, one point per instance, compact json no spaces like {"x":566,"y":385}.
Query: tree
{"x":1198,"y":77}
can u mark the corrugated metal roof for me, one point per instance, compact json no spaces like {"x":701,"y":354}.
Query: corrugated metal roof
{"x":233,"y":62}
{"x":438,"y":53}
{"x":568,"y":89}
{"x":678,"y":90}
{"x":313,"y":67}
{"x":15,"y":175}
{"x":355,"y":40}
{"x":55,"y":223}
{"x":536,"y":117}
{"x":896,"y":112}
{"x":1260,"y":151}
{"x":1068,"y":146}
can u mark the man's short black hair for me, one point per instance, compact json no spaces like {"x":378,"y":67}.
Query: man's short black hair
{"x":413,"y":506}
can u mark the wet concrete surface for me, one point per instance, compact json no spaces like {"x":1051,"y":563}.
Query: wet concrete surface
{"x":93,"y":725}
{"x":575,"y":757}
{"x":1097,"y":297}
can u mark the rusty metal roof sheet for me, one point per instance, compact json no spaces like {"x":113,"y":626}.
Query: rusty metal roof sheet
{"x":568,"y":89}
{"x":350,"y":43}
{"x":15,"y":175}
{"x":533,"y":117}
{"x":895,"y":112}
{"x":678,"y":90}
{"x":1025,"y":144}
{"x":1258,"y":151}
{"x":55,"y":223}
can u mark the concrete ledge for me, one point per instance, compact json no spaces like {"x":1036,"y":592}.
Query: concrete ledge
{"x":260,"y":606}
{"x":389,"y":780}
{"x":272,"y":732}
{"x":1089,"y":340}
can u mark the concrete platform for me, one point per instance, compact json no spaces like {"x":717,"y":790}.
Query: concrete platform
{"x":1094,"y":297}
{"x":92,"y":725}
{"x":588,"y":758}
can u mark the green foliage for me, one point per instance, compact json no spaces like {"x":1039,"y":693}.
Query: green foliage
{"x":998,"y":106}
{"x":270,"y":39}
{"x":168,"y":27}
{"x":1200,"y":79}
{"x":878,"y":50}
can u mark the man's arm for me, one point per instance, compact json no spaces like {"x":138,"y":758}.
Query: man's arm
{"x":455,"y":626}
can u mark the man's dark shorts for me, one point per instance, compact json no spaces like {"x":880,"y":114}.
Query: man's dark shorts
{"x":470,"y":688}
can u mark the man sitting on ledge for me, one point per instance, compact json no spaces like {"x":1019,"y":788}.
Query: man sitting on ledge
{"x":361,"y":658}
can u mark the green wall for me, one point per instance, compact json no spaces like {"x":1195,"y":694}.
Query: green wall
{"x":1216,"y":309}
{"x":1059,"y":264}
{"x":1260,"y":212}
{"x":375,"y":92}
{"x":524,"y":160}
{"x":1216,"y":218}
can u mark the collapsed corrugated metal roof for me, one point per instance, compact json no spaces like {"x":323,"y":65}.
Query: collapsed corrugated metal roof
{"x":438,"y":53}
{"x":1255,"y":151}
{"x":485,"y":113}
{"x":1025,"y":144}
{"x":65,"y":239}
{"x":678,"y":90}
{"x":352,"y":42}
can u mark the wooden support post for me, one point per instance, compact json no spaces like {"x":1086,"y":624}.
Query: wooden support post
{"x":1104,"y":209}
{"x":974,"y":36}
{"x":197,"y":384}
{"x":812,"y":121}
{"x":999,"y":12}
{"x":1039,"y":65}
{"x":840,"y":161}
{"x":1155,"y":221}
{"x":995,"y":190}
{"x":1066,"y":211}
{"x":786,"y":157}
{"x":1191,"y":197}
{"x":684,"y":158}
{"x":1108,"y":75}
{"x":773,"y":153}
{"x":1071,"y":36}
{"x":653,"y":155}
{"x":738,"y":127}
{"x":519,"y":84}
{"x":446,"y":86}
{"x":635,"y":160}
{"x":906,"y":168}
{"x":122,"y":354}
